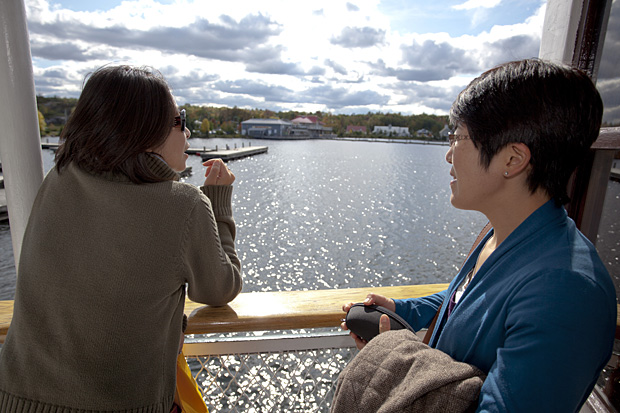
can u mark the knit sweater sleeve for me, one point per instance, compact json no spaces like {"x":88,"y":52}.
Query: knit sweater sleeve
{"x":212,"y":266}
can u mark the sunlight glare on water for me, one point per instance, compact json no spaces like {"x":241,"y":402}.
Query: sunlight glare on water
{"x":330,"y":214}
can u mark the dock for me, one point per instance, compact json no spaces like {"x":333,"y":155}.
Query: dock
{"x":232,"y":154}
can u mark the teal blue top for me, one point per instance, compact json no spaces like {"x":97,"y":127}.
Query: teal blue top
{"x":539,"y":317}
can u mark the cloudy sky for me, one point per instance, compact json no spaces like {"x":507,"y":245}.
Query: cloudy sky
{"x":408,"y":56}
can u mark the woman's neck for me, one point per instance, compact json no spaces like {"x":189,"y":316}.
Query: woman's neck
{"x":510,"y":212}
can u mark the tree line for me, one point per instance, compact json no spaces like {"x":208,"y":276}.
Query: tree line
{"x":207,"y":120}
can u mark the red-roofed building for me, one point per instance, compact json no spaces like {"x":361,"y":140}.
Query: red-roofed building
{"x":354,"y":128}
{"x":309,"y":126}
{"x":305,"y":119}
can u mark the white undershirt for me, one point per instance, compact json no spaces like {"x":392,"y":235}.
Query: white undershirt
{"x":459,"y":291}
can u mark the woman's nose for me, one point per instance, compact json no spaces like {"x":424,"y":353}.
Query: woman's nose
{"x":188,"y":133}
{"x":449,"y":155}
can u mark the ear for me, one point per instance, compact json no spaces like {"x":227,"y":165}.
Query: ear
{"x":517,"y":158}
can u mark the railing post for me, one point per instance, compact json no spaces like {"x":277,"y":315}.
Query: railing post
{"x":20,"y":141}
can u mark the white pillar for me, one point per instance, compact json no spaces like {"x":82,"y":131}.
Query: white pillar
{"x":562,"y":21}
{"x":574,"y":33}
{"x":20,"y":140}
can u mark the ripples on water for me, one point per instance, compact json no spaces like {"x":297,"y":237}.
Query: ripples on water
{"x":321,"y":214}
{"x":325,"y":214}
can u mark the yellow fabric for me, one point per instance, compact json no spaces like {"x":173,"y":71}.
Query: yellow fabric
{"x":188,"y":395}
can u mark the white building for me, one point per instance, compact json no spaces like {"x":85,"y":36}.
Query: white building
{"x":391,"y":131}
{"x":443,"y":134}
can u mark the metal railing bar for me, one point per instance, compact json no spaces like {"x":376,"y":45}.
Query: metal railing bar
{"x":270,"y":344}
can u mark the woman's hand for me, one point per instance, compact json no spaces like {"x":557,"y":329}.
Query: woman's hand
{"x":218,"y":173}
{"x":384,"y":321}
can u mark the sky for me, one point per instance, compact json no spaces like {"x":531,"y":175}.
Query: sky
{"x":356,"y":56}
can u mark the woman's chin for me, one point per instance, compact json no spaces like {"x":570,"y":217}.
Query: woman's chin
{"x":180,"y":168}
{"x":454,"y":200}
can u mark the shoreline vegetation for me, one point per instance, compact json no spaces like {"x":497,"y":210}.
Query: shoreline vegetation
{"x":208,"y":121}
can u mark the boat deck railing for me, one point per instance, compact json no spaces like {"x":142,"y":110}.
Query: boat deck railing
{"x":270,"y":351}
{"x":277,"y":351}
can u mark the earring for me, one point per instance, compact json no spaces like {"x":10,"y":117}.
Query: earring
{"x":506,"y":173}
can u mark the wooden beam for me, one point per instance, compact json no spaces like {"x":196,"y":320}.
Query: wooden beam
{"x":285,"y":310}
{"x":280,"y":310}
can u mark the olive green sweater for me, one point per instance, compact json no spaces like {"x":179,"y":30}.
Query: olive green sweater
{"x":101,"y":289}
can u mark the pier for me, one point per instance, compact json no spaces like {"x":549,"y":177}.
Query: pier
{"x":231,"y":154}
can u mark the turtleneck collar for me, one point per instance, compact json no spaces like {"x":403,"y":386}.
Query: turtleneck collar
{"x":155,"y":163}
{"x":160,"y":168}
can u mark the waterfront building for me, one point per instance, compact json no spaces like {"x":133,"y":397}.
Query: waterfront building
{"x":309,"y":127}
{"x":392,"y":131}
{"x":266,"y":128}
{"x":354,"y":128}
{"x":443,"y":134}
{"x":306,"y":127}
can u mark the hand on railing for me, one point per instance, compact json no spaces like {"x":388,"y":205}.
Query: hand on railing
{"x":384,"y":321}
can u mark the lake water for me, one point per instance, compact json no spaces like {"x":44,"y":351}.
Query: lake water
{"x":321,"y":214}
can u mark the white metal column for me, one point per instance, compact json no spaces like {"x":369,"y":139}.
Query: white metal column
{"x":570,"y":28}
{"x":20,"y":140}
{"x":560,"y":30}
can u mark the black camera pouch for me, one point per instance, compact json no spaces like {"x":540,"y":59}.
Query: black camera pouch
{"x":363,"y":320}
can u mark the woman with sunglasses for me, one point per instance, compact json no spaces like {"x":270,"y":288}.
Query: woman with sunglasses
{"x":112,"y":242}
{"x":533,"y":306}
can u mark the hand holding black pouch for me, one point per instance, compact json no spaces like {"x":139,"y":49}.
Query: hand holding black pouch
{"x":363,"y":320}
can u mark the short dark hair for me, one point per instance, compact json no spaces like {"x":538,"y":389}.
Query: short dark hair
{"x":122,"y":112}
{"x":554,"y":109}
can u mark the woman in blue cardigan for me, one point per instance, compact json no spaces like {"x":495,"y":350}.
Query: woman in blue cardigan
{"x":533,"y":305}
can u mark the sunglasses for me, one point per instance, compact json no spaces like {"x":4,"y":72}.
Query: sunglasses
{"x":180,"y":120}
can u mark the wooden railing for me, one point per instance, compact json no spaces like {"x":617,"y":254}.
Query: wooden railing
{"x":279,"y":310}
{"x":263,"y":311}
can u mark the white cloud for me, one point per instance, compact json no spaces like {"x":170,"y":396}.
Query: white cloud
{"x":477,"y":4}
{"x":324,"y":55}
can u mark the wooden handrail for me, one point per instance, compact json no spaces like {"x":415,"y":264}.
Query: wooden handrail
{"x":279,"y":310}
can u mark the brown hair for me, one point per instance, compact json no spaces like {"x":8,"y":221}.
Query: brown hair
{"x":123,"y":112}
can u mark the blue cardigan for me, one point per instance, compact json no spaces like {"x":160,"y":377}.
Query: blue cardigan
{"x":539,"y":317}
